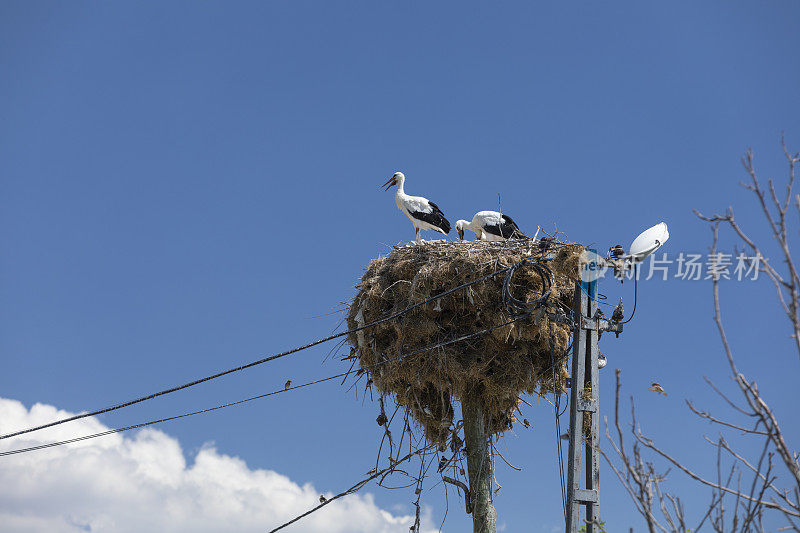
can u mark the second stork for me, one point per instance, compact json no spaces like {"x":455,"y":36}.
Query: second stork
{"x":489,"y":226}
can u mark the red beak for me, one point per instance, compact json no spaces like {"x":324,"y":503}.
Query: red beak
{"x":389,"y":183}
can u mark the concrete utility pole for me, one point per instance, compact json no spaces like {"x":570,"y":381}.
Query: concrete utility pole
{"x":584,"y":401}
{"x":479,"y":466}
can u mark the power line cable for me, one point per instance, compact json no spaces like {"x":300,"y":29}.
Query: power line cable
{"x":152,"y":422}
{"x":355,"y":488}
{"x":635,"y":292}
{"x":556,"y":407}
{"x":258,"y":362}
{"x":343,"y":374}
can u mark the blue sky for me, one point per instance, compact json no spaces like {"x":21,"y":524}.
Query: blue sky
{"x":188,"y":186}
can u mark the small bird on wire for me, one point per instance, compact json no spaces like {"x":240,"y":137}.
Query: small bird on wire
{"x":526,"y":423}
{"x":422,"y":213}
{"x":655,"y":387}
{"x":287,"y":384}
{"x":322,"y":499}
{"x":489,"y":226}
{"x":618,"y":315}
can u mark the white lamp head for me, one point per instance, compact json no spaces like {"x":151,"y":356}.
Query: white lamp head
{"x":648,"y":242}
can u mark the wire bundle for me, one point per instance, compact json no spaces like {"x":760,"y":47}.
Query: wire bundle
{"x":517,"y":307}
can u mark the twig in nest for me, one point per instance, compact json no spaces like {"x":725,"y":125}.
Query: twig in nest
{"x":393,"y":284}
{"x":497,"y":452}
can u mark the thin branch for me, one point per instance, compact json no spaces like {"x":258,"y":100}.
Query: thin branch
{"x":650,"y":445}
{"x":711,"y":418}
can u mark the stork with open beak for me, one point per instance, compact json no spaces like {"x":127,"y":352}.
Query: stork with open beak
{"x":423,"y":213}
{"x":490,"y":226}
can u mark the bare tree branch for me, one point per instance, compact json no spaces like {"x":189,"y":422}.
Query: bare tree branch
{"x":745,"y":488}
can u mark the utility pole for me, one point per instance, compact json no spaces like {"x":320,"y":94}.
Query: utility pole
{"x":584,"y":401}
{"x":479,"y":465}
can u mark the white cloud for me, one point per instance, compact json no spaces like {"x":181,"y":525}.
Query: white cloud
{"x":143,"y":483}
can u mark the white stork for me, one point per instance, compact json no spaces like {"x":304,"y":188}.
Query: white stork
{"x":423,"y":213}
{"x":489,"y":226}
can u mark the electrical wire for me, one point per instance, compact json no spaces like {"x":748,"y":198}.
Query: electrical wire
{"x":635,"y":292}
{"x":515,"y":306}
{"x":210,"y":409}
{"x":599,"y":299}
{"x":556,"y":407}
{"x":150,"y":423}
{"x":355,"y":488}
{"x":258,"y":362}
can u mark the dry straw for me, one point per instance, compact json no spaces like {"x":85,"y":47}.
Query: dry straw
{"x":495,"y":367}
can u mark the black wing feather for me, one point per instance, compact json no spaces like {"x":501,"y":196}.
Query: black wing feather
{"x":508,"y":220}
{"x":435,"y":217}
{"x":505,"y":229}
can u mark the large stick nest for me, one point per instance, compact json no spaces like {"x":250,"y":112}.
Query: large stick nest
{"x":493,"y":368}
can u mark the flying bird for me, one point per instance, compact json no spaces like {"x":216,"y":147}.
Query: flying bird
{"x":423,"y":213}
{"x":489,"y":226}
{"x":655,"y":387}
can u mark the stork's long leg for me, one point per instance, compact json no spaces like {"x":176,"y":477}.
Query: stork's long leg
{"x":418,"y":240}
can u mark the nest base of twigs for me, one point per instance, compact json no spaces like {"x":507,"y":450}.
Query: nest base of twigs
{"x":497,"y":366}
